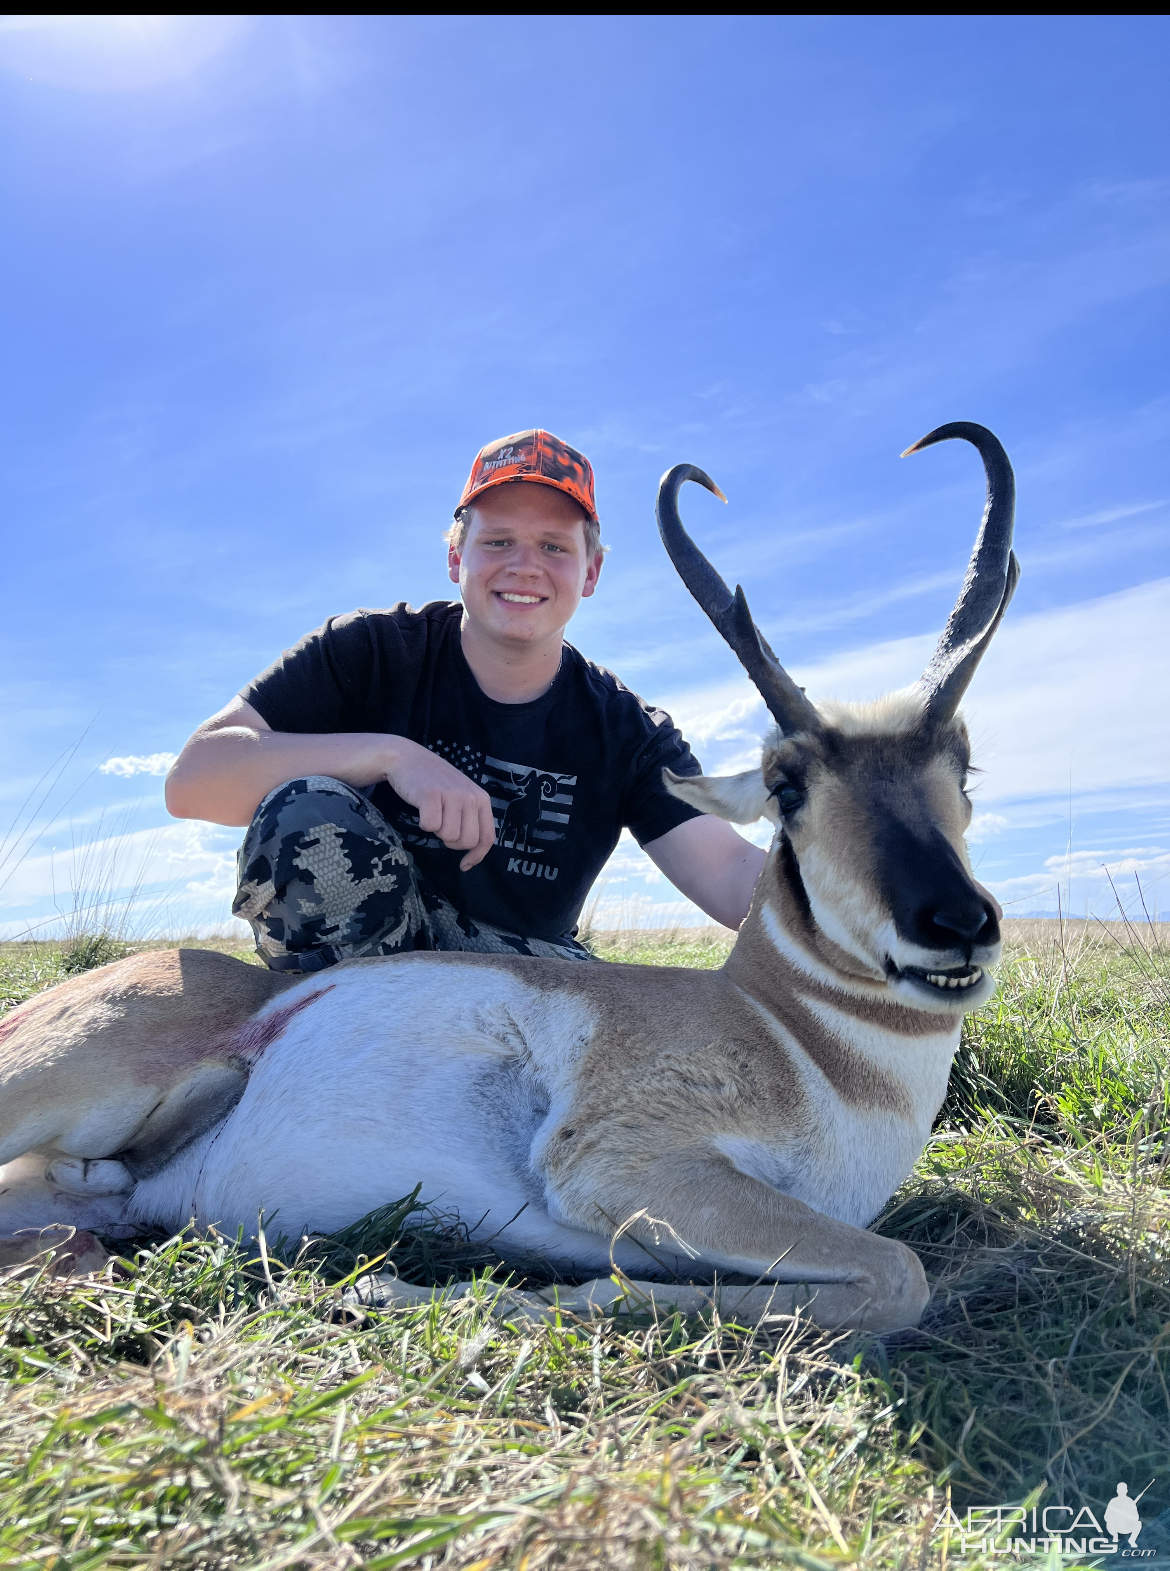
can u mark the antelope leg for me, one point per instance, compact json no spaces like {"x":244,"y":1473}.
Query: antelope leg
{"x":737,"y":1223}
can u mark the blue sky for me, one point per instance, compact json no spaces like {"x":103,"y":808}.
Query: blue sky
{"x":269,"y":284}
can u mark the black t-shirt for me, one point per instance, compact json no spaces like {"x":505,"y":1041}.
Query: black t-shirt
{"x":565,"y":773}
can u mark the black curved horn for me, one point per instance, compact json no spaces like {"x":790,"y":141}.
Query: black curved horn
{"x":990,"y":582}
{"x":789,"y":707}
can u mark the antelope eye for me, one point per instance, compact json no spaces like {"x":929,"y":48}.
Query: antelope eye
{"x":789,"y":797}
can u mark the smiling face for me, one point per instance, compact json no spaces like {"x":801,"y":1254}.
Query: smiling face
{"x":524,"y":566}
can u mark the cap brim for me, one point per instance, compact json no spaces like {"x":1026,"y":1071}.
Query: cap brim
{"x":556,"y":485}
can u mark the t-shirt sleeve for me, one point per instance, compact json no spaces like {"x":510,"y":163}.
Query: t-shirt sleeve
{"x":322,"y":683}
{"x":649,"y":810}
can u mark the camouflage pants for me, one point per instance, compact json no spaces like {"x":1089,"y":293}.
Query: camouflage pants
{"x":323,"y":877}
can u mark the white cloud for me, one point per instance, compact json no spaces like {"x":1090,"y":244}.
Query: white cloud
{"x":630,"y":861}
{"x":1105,"y":865}
{"x":1072,"y":699}
{"x":984,"y":826}
{"x":177,"y":878}
{"x":733,"y":713}
{"x":1064,"y":698}
{"x":1091,"y":882}
{"x":1110,"y":515}
{"x":138,"y":764}
{"x":855,"y":607}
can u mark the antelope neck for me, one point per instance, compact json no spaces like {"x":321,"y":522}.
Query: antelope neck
{"x":782,"y":958}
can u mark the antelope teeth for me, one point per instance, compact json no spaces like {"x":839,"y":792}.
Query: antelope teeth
{"x":940,"y":979}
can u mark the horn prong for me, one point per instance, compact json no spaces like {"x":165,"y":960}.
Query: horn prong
{"x":729,"y":612}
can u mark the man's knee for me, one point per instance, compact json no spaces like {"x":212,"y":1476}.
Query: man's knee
{"x":307,"y":800}
{"x":314,"y":785}
{"x":321,"y":871}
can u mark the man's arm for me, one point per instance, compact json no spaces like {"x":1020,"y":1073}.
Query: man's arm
{"x":706,"y":860}
{"x":234,"y":759}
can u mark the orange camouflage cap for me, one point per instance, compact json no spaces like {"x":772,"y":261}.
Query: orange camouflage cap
{"x":533,"y":455}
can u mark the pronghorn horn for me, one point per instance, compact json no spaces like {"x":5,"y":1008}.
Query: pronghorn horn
{"x":992,"y":575}
{"x":787,"y":703}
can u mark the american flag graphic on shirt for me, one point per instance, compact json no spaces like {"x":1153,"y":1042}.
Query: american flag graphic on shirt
{"x":530,"y":806}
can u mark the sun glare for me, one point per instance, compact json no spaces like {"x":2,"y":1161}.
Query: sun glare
{"x":112,"y":53}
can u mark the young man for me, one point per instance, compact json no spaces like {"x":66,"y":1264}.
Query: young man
{"x":455,"y":777}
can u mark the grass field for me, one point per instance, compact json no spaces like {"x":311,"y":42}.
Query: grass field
{"x":206,"y":1407}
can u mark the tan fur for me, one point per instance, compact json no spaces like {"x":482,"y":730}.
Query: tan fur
{"x":134,"y":1054}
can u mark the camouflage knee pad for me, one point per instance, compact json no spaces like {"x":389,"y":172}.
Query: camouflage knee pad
{"x":323,"y":877}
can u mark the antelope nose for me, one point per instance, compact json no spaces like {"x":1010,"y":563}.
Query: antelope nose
{"x":974,"y":921}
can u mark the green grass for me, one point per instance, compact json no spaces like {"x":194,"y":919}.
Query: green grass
{"x":206,"y":1407}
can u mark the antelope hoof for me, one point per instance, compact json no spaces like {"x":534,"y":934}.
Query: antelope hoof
{"x":63,"y":1251}
{"x":74,"y":1175}
{"x":909,"y":1291}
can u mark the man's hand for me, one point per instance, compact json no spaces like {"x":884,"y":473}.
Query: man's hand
{"x":449,"y":804}
{"x":234,"y":759}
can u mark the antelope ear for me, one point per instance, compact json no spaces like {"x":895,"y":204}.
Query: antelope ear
{"x":739,"y":798}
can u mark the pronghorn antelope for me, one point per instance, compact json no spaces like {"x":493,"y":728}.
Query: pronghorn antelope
{"x":752,"y":1119}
